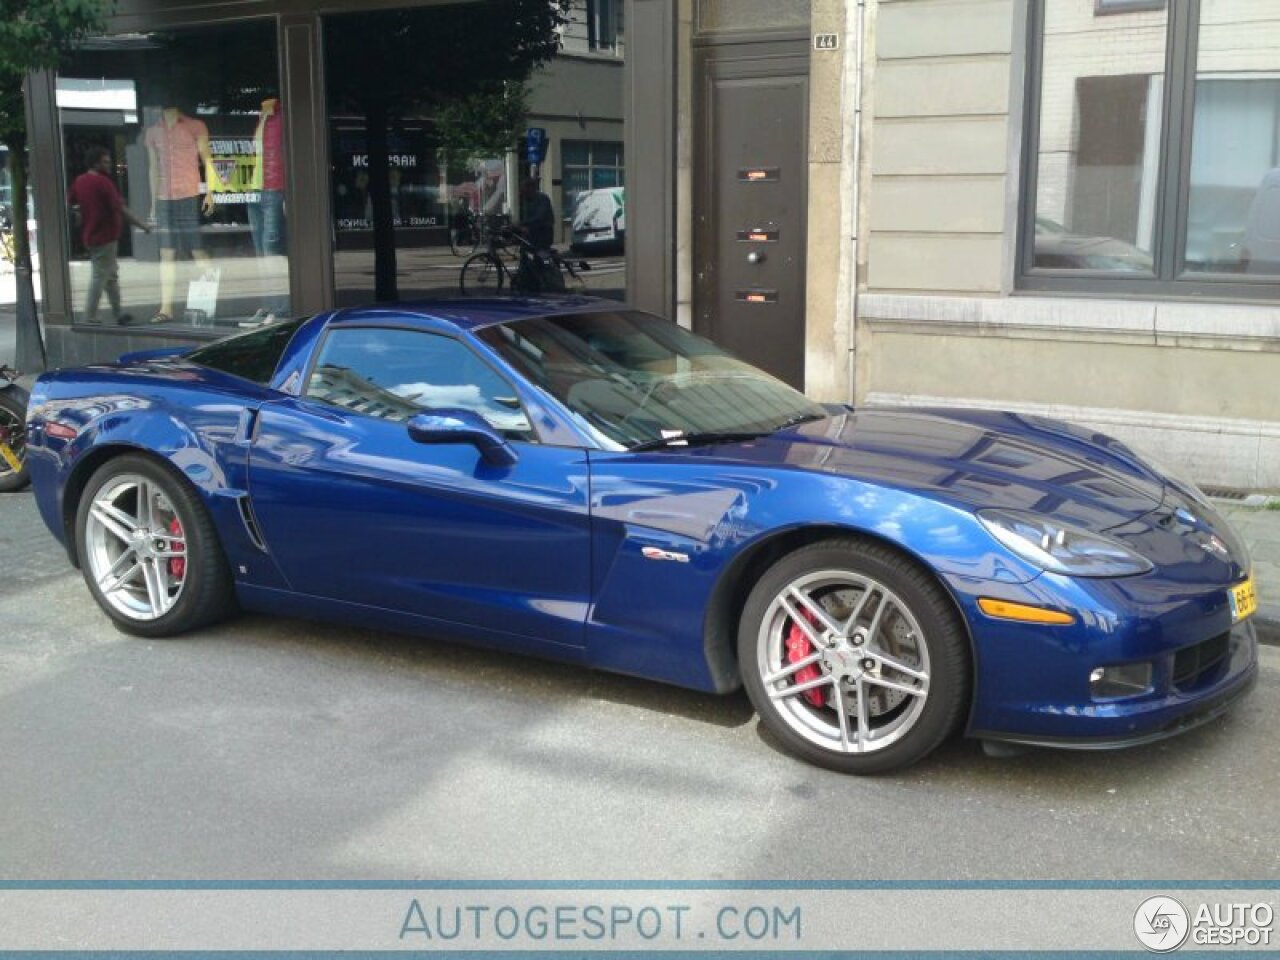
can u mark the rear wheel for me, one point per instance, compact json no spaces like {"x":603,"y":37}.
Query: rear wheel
{"x":482,"y":276}
{"x":149,"y":551}
{"x":13,"y":440}
{"x":853,"y":657}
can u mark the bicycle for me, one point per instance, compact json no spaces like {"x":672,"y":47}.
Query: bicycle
{"x":466,"y":232}
{"x":487,"y":274}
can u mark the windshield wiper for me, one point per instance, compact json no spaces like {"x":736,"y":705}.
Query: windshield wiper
{"x":799,"y":419}
{"x":697,"y":439}
{"x":680,"y":439}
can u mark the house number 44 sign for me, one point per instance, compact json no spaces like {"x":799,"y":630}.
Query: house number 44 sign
{"x":826,"y":41}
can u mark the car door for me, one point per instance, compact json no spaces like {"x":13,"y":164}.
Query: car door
{"x":354,"y":509}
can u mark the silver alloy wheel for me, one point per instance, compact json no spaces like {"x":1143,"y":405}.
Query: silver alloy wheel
{"x":850,"y":641}
{"x":136,"y":548}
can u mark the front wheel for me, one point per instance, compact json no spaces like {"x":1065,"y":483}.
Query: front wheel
{"x":482,"y":276}
{"x":464,"y":240}
{"x":149,"y":551}
{"x":13,"y":440}
{"x":854,"y":657}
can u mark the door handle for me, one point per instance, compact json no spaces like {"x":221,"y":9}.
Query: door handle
{"x":755,"y":256}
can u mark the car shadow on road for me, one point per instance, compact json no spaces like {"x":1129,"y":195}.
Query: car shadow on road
{"x":447,"y":661}
{"x":963,"y":761}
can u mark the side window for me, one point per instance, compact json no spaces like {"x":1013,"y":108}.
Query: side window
{"x":394,"y":374}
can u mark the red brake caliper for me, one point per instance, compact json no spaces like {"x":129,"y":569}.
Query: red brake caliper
{"x":177,"y":565}
{"x":799,"y":647}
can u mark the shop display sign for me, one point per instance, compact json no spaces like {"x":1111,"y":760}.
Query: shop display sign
{"x":233,"y":163}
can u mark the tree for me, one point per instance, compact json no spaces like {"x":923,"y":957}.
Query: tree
{"x":482,"y":124}
{"x":475,"y":55}
{"x":34,"y":35}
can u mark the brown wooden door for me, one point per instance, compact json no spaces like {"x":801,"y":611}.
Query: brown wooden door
{"x":750,"y":203}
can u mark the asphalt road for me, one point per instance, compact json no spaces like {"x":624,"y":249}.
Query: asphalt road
{"x":279,"y":749}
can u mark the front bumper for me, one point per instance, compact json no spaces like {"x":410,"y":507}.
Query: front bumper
{"x":1200,"y":713}
{"x":1032,"y":682}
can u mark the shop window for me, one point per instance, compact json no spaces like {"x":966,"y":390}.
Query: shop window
{"x":431,"y":161}
{"x":1153,"y":149}
{"x":174,"y":150}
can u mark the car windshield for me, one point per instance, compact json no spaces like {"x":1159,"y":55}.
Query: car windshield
{"x":645,"y":382}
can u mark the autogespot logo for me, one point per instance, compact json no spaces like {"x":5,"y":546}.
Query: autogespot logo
{"x":1162,"y":924}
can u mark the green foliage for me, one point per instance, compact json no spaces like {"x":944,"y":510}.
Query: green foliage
{"x":35,"y":35}
{"x":482,"y":124}
{"x":432,"y":56}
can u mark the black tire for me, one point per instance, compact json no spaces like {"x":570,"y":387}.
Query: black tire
{"x":207,"y":593}
{"x":464,"y":240}
{"x":482,"y":276}
{"x":13,"y":440}
{"x":943,"y":648}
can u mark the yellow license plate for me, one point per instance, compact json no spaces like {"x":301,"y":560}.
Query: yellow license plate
{"x":1244,"y":600}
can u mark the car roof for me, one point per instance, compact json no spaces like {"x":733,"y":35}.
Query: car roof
{"x":471,"y":313}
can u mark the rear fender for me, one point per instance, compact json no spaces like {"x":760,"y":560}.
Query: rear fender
{"x":210,"y":452}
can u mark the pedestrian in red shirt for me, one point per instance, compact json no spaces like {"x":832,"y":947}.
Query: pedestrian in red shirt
{"x":102,"y":217}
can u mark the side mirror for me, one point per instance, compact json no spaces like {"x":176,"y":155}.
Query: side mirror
{"x":462,"y":426}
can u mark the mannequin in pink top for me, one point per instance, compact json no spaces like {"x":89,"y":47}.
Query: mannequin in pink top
{"x":178,"y":148}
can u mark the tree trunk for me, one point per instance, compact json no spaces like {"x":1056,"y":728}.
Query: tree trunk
{"x":30,"y":355}
{"x":384,"y":230}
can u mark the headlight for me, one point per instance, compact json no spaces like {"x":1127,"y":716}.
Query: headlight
{"x":1060,"y":548}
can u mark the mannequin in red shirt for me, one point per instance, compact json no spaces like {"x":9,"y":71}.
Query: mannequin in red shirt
{"x":102,"y":218}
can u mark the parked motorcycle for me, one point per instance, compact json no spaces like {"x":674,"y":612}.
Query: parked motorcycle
{"x":13,"y":432}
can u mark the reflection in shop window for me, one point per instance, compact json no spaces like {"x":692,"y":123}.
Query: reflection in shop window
{"x":1233,"y":215}
{"x":174,"y":147}
{"x":1104,"y":163}
{"x":1100,"y":126}
{"x":426,"y":156}
{"x":593,"y":178}
{"x":592,"y":26}
{"x":603,"y":20}
{"x":1127,"y":6}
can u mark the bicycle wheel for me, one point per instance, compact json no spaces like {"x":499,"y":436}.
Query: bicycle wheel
{"x":464,"y":240}
{"x":482,"y":276}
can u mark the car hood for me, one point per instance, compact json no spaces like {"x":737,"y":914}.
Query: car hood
{"x":973,"y":458}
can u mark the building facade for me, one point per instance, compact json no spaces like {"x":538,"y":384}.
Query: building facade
{"x":1061,"y":207}
{"x":1073,"y":211}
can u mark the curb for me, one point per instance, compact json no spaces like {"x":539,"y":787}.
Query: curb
{"x":1267,"y":625}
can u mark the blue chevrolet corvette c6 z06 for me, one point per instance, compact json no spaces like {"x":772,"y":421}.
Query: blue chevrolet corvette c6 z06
{"x":575,"y":480}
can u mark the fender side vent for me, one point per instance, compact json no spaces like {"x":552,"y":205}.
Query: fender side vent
{"x":251,"y":523}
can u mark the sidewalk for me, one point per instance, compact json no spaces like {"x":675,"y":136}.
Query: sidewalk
{"x":1259,"y":527}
